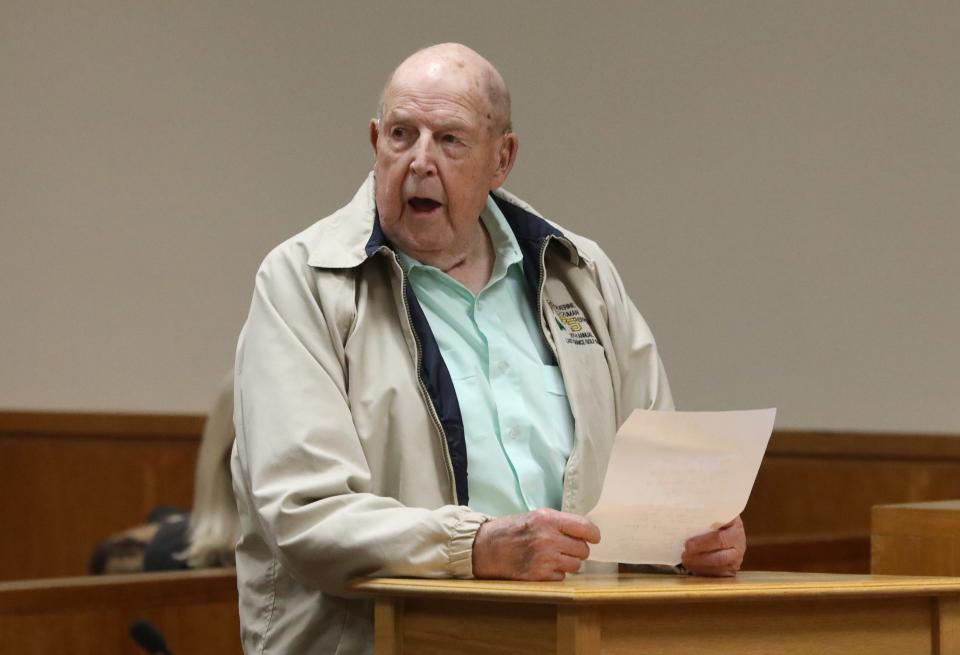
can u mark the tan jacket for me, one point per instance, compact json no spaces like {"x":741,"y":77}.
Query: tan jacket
{"x":350,"y":459}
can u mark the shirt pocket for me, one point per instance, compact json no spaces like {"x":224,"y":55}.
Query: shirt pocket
{"x":474,"y":398}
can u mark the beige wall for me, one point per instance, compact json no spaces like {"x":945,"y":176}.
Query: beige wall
{"x":777,"y":181}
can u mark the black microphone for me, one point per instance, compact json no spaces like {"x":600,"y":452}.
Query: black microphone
{"x":148,"y":638}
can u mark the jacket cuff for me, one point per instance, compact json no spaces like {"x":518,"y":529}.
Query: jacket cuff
{"x":463,"y":532}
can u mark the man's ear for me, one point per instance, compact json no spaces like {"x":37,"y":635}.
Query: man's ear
{"x":506,"y":157}
{"x":374,"y":134}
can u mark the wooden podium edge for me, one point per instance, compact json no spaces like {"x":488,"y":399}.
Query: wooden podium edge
{"x":747,"y":586}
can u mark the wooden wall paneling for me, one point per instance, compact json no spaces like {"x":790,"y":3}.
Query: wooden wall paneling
{"x":825,"y":553}
{"x":69,"y":481}
{"x":811,"y":503}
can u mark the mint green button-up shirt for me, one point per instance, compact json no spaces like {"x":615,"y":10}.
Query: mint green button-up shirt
{"x":516,"y":418}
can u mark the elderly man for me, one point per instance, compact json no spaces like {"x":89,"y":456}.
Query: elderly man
{"x":430,"y":379}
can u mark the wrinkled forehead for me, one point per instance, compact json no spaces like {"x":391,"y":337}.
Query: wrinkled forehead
{"x":438,"y":84}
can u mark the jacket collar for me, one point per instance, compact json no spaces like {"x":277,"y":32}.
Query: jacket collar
{"x":352,"y":234}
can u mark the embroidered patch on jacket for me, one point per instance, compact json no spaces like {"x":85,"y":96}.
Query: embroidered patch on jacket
{"x":573,"y":324}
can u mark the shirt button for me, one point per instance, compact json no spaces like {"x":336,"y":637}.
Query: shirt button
{"x":503,"y":366}
{"x":513,"y":433}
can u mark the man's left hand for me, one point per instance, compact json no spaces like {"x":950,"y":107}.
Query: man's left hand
{"x":717,"y":553}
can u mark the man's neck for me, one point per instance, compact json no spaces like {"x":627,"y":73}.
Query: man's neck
{"x":474,"y":269}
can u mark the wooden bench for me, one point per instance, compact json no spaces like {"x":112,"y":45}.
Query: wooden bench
{"x":195,"y":610}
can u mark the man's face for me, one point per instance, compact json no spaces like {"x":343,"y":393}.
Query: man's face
{"x":436,"y":159}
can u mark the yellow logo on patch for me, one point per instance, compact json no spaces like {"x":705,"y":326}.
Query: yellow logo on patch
{"x":570,"y":322}
{"x":573,"y":324}
{"x":567,"y":317}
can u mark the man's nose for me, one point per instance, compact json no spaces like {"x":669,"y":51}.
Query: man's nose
{"x":424,"y":161}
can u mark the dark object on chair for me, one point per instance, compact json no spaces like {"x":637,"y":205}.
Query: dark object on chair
{"x":151,"y":546}
{"x":148,"y":638}
{"x":167,"y":550}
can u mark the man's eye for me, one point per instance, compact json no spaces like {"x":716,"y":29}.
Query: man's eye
{"x":398,"y":132}
{"x":449,"y":138}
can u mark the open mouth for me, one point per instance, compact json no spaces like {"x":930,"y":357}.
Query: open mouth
{"x":423,"y":204}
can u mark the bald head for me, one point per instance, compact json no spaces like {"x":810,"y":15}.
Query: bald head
{"x":456,"y":60}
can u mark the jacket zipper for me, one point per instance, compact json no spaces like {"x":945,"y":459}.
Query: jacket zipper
{"x":451,"y":479}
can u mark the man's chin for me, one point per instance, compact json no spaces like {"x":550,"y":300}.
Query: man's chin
{"x":423,"y":239}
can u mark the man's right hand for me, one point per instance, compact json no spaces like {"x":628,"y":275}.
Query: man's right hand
{"x":540,"y":545}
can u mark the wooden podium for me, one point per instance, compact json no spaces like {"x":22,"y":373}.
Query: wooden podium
{"x":916,"y":538}
{"x":753,"y":613}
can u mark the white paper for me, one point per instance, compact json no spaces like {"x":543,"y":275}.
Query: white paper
{"x":674,"y":475}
